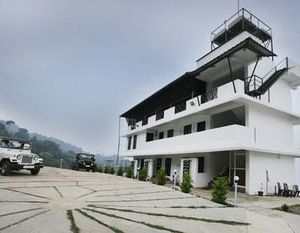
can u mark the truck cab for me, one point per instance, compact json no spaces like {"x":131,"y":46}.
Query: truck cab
{"x":15,"y":154}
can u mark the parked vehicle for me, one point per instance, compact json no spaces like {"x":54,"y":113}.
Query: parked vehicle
{"x":85,"y":161}
{"x":15,"y":154}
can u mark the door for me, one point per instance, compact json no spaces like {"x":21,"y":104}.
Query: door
{"x":238,"y":167}
{"x":186,"y":166}
{"x":168,"y":166}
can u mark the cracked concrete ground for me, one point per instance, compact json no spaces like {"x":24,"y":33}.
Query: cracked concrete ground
{"x":107,"y":203}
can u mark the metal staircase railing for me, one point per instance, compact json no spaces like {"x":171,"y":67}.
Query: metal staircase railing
{"x":257,"y":85}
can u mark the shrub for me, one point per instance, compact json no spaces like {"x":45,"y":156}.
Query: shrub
{"x":129,"y":172}
{"x":219,"y":190}
{"x":161,"y":177}
{"x":99,"y":168}
{"x":111,"y":170}
{"x":143,"y":174}
{"x":285,"y":208}
{"x":120,"y":171}
{"x":106,"y":169}
{"x":186,"y":183}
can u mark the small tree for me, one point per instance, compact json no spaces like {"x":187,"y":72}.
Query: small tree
{"x":120,"y":171}
{"x":106,"y":169}
{"x":111,"y":170}
{"x":186,"y":183}
{"x":99,"y":168}
{"x":219,"y":190}
{"x":143,"y":174}
{"x":129,"y":172}
{"x":161,"y":177}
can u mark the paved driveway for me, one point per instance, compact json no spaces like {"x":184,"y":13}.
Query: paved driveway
{"x":61,"y":200}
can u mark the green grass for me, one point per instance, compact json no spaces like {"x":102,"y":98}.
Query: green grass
{"x":114,"y":229}
{"x":292,"y":209}
{"x":74,"y":228}
{"x":227,"y":222}
{"x":189,"y":207}
{"x":158,"y":227}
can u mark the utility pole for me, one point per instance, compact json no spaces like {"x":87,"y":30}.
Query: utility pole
{"x":118,"y":153}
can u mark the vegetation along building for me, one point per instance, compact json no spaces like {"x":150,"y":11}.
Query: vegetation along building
{"x":232,"y":115}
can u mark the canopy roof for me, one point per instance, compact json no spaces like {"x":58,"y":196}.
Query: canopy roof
{"x":188,"y":85}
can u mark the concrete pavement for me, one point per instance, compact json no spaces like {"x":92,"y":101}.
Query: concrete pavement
{"x":107,"y":203}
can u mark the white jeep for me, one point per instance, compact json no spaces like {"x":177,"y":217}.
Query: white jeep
{"x":15,"y":154}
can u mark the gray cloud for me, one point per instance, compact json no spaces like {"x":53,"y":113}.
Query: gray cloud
{"x":69,"y":68}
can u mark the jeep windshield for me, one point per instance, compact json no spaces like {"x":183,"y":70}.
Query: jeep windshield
{"x":15,"y":144}
{"x":86,"y":156}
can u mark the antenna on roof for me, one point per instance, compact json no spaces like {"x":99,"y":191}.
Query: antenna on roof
{"x":238,"y":5}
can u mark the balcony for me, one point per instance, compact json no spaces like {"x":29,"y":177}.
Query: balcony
{"x":218,"y":139}
{"x":192,"y":105}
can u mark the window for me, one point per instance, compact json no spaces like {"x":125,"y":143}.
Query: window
{"x":161,"y":135}
{"x":187,"y":129}
{"x":168,"y":166}
{"x":170,"y":133}
{"x":129,"y":143}
{"x":142,"y":164}
{"x":160,"y":114}
{"x":201,"y":126}
{"x":149,"y":137}
{"x":180,"y":107}
{"x":134,"y":142}
{"x":145,"y":121}
{"x":201,"y":165}
{"x":186,"y":166}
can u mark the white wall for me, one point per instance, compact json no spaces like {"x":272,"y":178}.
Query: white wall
{"x":273,"y":130}
{"x":281,"y":169}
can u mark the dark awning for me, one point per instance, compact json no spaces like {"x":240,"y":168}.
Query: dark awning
{"x":179,"y":90}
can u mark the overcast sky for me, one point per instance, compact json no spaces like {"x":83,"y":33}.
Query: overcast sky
{"x":69,"y":68}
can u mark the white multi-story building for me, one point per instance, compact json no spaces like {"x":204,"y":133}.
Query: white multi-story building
{"x":232,"y":115}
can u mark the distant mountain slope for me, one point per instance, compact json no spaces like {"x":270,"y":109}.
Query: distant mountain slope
{"x":14,"y":129}
{"x":64,"y":146}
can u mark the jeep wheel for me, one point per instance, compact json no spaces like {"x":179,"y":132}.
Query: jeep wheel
{"x":88,"y":170}
{"x":35,"y":171}
{"x":5,"y":168}
{"x":94,"y":170}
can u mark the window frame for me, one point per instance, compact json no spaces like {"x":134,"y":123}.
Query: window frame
{"x":187,"y":129}
{"x":129,"y":143}
{"x":201,"y":124}
{"x":201,"y":161}
{"x":134,"y":142}
{"x":169,"y":132}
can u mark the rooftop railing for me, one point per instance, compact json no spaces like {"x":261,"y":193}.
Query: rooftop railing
{"x":248,"y":21}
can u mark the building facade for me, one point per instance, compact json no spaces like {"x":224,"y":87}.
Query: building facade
{"x":230,"y":116}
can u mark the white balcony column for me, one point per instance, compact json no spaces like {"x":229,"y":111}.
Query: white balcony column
{"x":135,"y":167}
{"x":150,"y":167}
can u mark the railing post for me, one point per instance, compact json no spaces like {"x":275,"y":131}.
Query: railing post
{"x":225,"y":31}
{"x":243,"y":22}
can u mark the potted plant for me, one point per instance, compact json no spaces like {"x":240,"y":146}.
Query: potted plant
{"x":261,"y":192}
